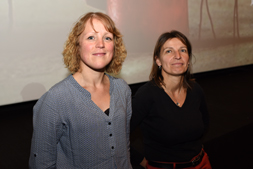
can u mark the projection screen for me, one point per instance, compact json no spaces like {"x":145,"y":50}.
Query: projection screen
{"x":32,"y":35}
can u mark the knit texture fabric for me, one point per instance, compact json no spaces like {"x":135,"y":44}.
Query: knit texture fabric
{"x":71,"y":131}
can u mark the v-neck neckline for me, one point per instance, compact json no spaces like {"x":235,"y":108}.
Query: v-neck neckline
{"x":86,"y":93}
{"x":183,"y":105}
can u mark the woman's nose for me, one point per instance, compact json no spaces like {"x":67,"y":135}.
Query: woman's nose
{"x":100,"y":43}
{"x":177,"y":55}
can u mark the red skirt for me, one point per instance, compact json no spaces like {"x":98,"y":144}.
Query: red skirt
{"x":204,"y":164}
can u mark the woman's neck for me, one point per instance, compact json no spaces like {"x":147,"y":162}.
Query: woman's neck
{"x":173,"y":83}
{"x":90,"y":78}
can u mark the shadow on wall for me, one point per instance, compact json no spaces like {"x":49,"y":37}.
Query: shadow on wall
{"x":33,"y":91}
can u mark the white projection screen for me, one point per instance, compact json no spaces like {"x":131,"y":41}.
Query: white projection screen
{"x":32,"y":35}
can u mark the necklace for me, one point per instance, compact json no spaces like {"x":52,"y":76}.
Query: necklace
{"x":173,"y":98}
{"x":177,"y":103}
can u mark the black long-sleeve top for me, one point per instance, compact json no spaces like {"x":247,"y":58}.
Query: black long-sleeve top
{"x":170,"y":133}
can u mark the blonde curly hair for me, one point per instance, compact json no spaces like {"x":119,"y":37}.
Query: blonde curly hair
{"x":71,"y":49}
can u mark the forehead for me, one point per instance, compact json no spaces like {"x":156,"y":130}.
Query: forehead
{"x":94,"y":23}
{"x":107,"y":24}
{"x":173,"y":42}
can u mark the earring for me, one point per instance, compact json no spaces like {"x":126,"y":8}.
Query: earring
{"x":160,"y":67}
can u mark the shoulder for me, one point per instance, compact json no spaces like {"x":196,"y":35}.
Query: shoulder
{"x":118,"y":83}
{"x":59,"y":91}
{"x":147,"y":91}
{"x":62,"y":87}
{"x":196,"y":86}
{"x":148,"y":87}
{"x":117,"y":80}
{"x":196,"y":89}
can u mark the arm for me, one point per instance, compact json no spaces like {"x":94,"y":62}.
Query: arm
{"x":144,"y":163}
{"x":142,"y":103}
{"x":46,"y":133}
{"x":129,"y":115}
{"x":204,"y":110}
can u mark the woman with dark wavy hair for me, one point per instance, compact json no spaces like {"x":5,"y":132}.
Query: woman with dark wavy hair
{"x":84,"y":120}
{"x":171,"y":109}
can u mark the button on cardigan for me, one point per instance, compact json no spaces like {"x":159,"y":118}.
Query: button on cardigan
{"x":71,"y":131}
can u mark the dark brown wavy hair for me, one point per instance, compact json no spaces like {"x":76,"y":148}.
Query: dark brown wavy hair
{"x":155,"y":73}
{"x":71,"y":49}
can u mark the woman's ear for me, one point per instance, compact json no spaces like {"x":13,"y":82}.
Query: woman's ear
{"x":158,"y":62}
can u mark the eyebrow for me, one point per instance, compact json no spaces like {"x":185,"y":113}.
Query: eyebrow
{"x":167,"y":48}
{"x":173,"y":48}
{"x":108,"y":33}
{"x":94,"y":33}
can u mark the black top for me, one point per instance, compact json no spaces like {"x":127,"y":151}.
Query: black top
{"x":107,"y":111}
{"x":170,"y":133}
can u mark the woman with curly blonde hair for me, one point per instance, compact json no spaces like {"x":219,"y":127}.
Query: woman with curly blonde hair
{"x":83,"y":121}
{"x":71,"y":51}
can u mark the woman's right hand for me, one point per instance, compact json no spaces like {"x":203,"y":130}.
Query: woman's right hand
{"x":144,"y":163}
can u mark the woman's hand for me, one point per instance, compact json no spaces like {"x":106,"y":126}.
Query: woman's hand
{"x":144,"y":163}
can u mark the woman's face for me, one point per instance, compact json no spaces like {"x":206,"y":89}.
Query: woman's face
{"x":96,"y":46}
{"x":174,"y":57}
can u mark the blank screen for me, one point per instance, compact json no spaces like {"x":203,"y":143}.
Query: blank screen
{"x":33,"y":33}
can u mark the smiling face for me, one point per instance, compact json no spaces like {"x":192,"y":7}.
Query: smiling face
{"x":96,"y":46}
{"x":174,"y":58}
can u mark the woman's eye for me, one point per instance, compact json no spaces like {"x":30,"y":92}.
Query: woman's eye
{"x":169,"y":51}
{"x":183,"y":50}
{"x":108,"y":38}
{"x":90,"y":37}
